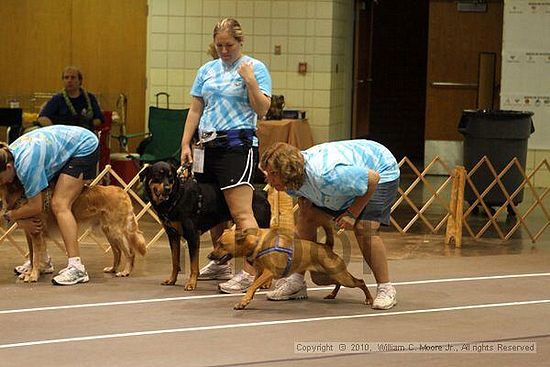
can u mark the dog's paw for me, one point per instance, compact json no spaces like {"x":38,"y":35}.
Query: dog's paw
{"x":330,"y":296}
{"x":169,"y":282}
{"x":266,"y":285}
{"x":109,"y":269}
{"x":30,"y":278}
{"x":122,"y":274}
{"x":240,"y":306}
{"x":190,"y":286}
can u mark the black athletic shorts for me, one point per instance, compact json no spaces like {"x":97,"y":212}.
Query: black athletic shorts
{"x":229,"y":168}
{"x":87,"y":166}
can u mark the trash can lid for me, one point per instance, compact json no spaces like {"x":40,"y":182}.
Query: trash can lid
{"x":496,"y":124}
{"x":498,"y":114}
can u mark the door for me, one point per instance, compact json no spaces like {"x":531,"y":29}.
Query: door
{"x":361,"y":64}
{"x":390,"y":78}
{"x":464,"y":54}
{"x":113,"y":34}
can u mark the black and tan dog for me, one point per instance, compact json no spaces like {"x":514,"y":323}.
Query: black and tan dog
{"x":108,"y":207}
{"x":188,"y":209}
{"x":276,"y":253}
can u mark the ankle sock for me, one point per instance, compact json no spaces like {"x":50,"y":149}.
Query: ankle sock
{"x":75,"y":262}
{"x":387,"y":285}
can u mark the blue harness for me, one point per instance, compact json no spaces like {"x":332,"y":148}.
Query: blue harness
{"x":277,"y":248}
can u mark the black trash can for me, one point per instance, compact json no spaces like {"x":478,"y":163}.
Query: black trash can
{"x":501,"y":136}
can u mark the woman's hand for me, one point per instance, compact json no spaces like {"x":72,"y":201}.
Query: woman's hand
{"x":346,"y":220}
{"x":246,"y":71}
{"x":31,"y":225}
{"x":186,"y":155}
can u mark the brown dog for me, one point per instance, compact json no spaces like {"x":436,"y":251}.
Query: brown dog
{"x":108,"y":207}
{"x":277,"y":254}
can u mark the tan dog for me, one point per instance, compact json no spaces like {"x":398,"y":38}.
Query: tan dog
{"x":277,"y":254}
{"x":108,"y":207}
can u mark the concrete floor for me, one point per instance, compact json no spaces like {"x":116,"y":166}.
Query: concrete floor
{"x":488,"y":291}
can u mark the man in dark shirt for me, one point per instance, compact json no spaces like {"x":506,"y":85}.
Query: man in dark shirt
{"x":73,"y":106}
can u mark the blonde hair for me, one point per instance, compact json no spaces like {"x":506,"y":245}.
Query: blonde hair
{"x":212,"y":51}
{"x":230,"y":25}
{"x":72,"y":68}
{"x":287,"y":162}
{"x":5,"y":156}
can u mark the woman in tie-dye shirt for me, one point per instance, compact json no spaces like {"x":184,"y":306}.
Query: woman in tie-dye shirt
{"x":229,"y":94}
{"x":67,"y":155}
{"x":354,"y":182}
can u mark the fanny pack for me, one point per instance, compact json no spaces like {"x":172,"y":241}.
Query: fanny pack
{"x":238,"y":138}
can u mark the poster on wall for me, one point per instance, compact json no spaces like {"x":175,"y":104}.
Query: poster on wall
{"x":526,"y":64}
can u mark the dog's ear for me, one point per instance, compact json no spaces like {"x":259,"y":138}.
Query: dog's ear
{"x":145,"y":173}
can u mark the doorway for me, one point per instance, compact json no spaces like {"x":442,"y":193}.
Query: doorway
{"x":391,"y":41}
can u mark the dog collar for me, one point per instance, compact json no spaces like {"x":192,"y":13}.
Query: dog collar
{"x":277,"y":248}
{"x":174,"y":202}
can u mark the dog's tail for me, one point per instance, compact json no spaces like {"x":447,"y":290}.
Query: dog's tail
{"x":134,"y":235}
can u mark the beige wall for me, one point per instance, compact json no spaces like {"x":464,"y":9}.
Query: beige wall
{"x":314,"y":31}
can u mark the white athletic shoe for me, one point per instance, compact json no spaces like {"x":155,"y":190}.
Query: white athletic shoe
{"x":213,"y":271}
{"x":45,"y":267}
{"x":385,"y":298}
{"x":70,"y":276}
{"x":238,"y":284}
{"x":292,"y":287}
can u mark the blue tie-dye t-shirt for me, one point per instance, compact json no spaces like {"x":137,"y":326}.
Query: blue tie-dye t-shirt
{"x":223,"y":90}
{"x":40,"y":154}
{"x":337,"y":172}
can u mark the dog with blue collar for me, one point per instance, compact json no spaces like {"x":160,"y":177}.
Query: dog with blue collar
{"x":277,"y":253}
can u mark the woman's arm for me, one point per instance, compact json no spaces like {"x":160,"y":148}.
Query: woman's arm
{"x":32,"y":208}
{"x":191,"y":124}
{"x":258,"y":101}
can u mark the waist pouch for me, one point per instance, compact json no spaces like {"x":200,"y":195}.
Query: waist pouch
{"x":227,"y":139}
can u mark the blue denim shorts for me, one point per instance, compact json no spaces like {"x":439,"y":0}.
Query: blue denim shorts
{"x":378,"y":208}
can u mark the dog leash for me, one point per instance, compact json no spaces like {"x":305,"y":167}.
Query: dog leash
{"x":185,"y":171}
{"x":277,"y":248}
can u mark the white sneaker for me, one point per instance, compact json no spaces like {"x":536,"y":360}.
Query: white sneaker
{"x":291,"y":287}
{"x":238,"y":284}
{"x":213,"y":271}
{"x":45,"y":267}
{"x":385,"y":298}
{"x":71,"y":276}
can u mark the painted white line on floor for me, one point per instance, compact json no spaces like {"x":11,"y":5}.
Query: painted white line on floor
{"x":190,"y":298}
{"x":267,"y":323}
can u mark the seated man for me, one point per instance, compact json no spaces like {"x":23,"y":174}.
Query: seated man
{"x":73,"y":106}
